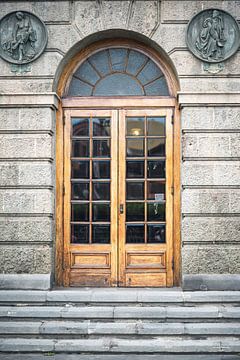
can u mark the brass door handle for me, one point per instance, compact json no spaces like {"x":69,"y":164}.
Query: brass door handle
{"x":121,"y":209}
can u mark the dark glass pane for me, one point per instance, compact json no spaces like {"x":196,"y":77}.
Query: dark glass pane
{"x":101,"y":169}
{"x":80,"y":234}
{"x":135,"y":190}
{"x":101,"y":148}
{"x":135,"y":147}
{"x":118,"y":84}
{"x":156,"y":233}
{"x":80,"y":126}
{"x":118,"y":59}
{"x":156,"y":147}
{"x":156,"y":169}
{"x":80,"y":212}
{"x":100,"y":212}
{"x":157,"y":87}
{"x":80,"y":148}
{"x":80,"y":169}
{"x":135,"y":62}
{"x":80,"y":191}
{"x":101,"y":126}
{"x":156,"y":126}
{"x":101,"y":191}
{"x":156,"y":211}
{"x":79,"y":88}
{"x":135,"y":169}
{"x":87,"y":73}
{"x":135,"y":126}
{"x":156,"y":190}
{"x":135,"y":212}
{"x":101,"y":234}
{"x":150,"y":72}
{"x":135,"y":233}
{"x":100,"y":61}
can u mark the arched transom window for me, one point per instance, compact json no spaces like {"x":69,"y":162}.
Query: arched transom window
{"x":118,"y":72}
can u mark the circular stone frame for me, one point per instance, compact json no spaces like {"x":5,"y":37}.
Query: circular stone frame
{"x":39,"y":31}
{"x":193,"y":31}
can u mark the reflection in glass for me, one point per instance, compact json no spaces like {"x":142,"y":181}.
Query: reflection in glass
{"x":101,"y":126}
{"x":157,"y":87}
{"x":79,"y":234}
{"x":80,"y":191}
{"x":80,"y":212}
{"x":118,"y":84}
{"x":100,"y":212}
{"x":156,"y":147}
{"x":156,"y":169}
{"x":118,"y":59}
{"x":80,"y":169}
{"x":101,"y":169}
{"x":80,"y":148}
{"x":135,"y":147}
{"x":87,"y":73}
{"x":101,"y":191}
{"x":101,"y":234}
{"x":135,"y":126}
{"x":135,"y":169}
{"x":156,"y":190}
{"x":101,"y":148}
{"x":150,"y":72}
{"x":156,"y":233}
{"x":156,"y":211}
{"x":80,"y":126}
{"x":135,"y":190}
{"x":134,"y":233}
{"x":135,"y":62}
{"x":135,"y":212}
{"x":156,"y":126}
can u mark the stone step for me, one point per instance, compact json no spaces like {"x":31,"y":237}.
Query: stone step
{"x":53,"y":356}
{"x":90,"y":328}
{"x":154,"y":345}
{"x":220,"y":312}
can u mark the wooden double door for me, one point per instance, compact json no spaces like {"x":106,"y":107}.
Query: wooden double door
{"x":118,"y":201}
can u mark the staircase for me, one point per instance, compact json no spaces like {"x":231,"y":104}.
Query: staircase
{"x":110,"y":324}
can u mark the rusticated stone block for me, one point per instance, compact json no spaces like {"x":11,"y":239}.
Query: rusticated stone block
{"x":87,"y":16}
{"x":25,"y":229}
{"x":205,"y":85}
{"x":210,"y":229}
{"x":218,"y":259}
{"x":115,"y":14}
{"x":9,"y":174}
{"x":23,"y":85}
{"x":222,"y":201}
{"x":69,"y":36}
{"x":25,"y":259}
{"x":144,"y":17}
{"x":170,"y":36}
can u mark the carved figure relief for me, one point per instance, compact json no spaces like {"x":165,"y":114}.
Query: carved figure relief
{"x":23,"y":37}
{"x":213,"y":35}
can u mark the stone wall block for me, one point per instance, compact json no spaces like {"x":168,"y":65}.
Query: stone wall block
{"x":62,"y":37}
{"x":144,"y":17}
{"x":9,"y":174}
{"x":205,"y":85}
{"x":23,"y":85}
{"x":211,"y":229}
{"x":213,"y":201}
{"x":87,"y":16}
{"x":115,"y":14}
{"x":25,"y":259}
{"x":170,"y":36}
{"x":23,"y":229}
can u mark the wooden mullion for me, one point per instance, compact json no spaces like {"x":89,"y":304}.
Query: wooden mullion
{"x":145,"y":179}
{"x":90,"y":176}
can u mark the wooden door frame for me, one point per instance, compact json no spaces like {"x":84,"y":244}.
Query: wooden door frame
{"x":117,"y":103}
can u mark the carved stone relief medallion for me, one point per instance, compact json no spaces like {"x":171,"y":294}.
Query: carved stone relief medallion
{"x":23,"y":37}
{"x":213,"y":35}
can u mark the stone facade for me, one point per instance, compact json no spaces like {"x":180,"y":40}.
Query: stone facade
{"x":210,"y":132}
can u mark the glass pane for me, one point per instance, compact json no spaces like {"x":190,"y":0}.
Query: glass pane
{"x":80,"y":126}
{"x":135,"y":190}
{"x":80,"y":212}
{"x":135,"y":147}
{"x":157,"y":87}
{"x":80,"y":191}
{"x":135,"y":126}
{"x":80,"y":148}
{"x":101,"y":62}
{"x":156,"y":169}
{"x":100,"y":212}
{"x":135,"y":212}
{"x":118,"y":84}
{"x":135,"y":62}
{"x":118,"y":59}
{"x":87,"y":73}
{"x":101,"y":169}
{"x":79,"y":88}
{"x":135,"y":233}
{"x":156,"y":211}
{"x":156,"y":190}
{"x":101,"y":234}
{"x":156,"y":126}
{"x":101,"y":148}
{"x":156,"y":233}
{"x":135,"y":169}
{"x":150,"y":72}
{"x":156,"y":147}
{"x":80,"y":234}
{"x":80,"y":169}
{"x":101,"y":191}
{"x":101,"y":126}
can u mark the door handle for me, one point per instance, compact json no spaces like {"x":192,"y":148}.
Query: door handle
{"x":121,"y":209}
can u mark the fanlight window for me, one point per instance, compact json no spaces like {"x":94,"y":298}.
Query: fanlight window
{"x":118,"y":72}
